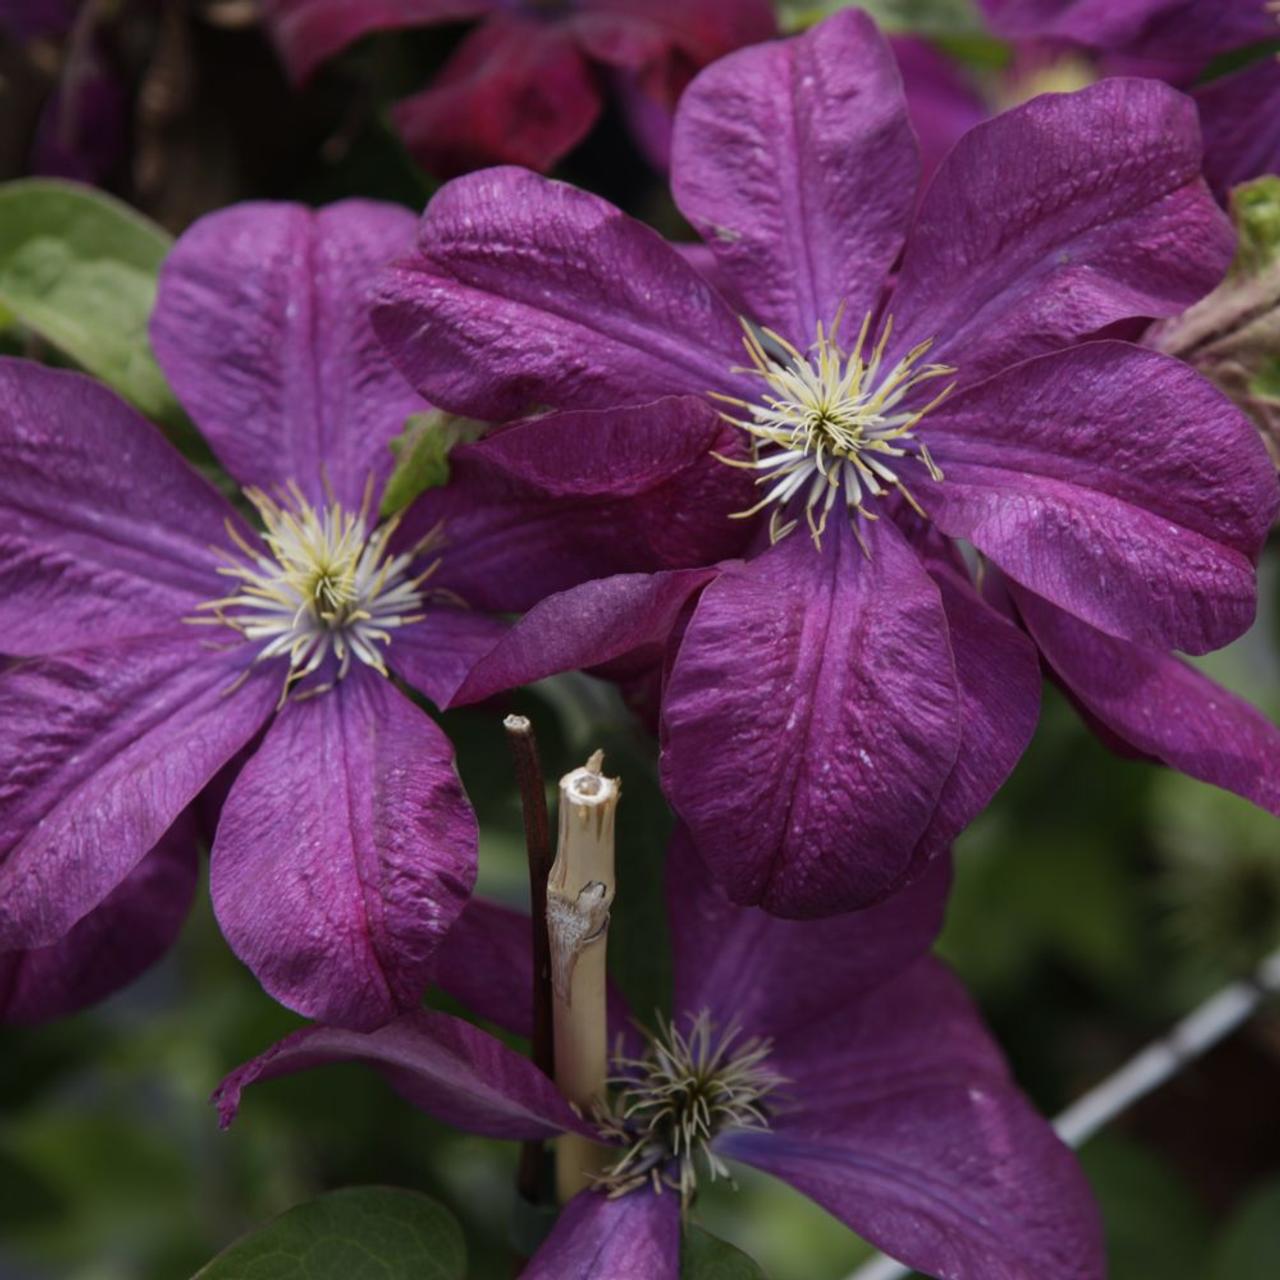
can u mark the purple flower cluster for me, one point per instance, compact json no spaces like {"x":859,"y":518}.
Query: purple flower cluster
{"x":827,"y":493}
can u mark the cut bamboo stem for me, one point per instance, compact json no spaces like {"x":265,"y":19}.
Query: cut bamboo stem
{"x":579,"y":894}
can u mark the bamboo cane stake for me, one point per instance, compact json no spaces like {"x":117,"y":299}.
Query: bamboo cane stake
{"x":579,"y":894}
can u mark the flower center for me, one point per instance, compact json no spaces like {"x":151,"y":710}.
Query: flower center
{"x":831,"y":424}
{"x":671,"y":1103}
{"x":319,"y":583}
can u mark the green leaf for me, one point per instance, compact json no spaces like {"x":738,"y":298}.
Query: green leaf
{"x":707,"y":1257}
{"x":360,"y":1233}
{"x":1249,"y":1247}
{"x":78,"y":269}
{"x":422,"y":456}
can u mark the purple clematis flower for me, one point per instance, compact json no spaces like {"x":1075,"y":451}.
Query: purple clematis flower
{"x":522,"y":87}
{"x":1057,"y":42}
{"x":878,"y":1092}
{"x":842,"y":700}
{"x":159,"y":635}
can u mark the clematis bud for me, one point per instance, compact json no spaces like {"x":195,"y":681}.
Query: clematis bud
{"x":1233,"y":335}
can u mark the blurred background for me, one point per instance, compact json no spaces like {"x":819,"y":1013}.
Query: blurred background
{"x":1096,"y":902}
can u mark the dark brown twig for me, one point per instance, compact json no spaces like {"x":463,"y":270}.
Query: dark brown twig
{"x":537,"y":835}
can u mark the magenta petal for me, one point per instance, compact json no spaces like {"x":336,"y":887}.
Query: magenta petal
{"x":942,"y":102}
{"x":1056,"y":219}
{"x":811,"y":720}
{"x":516,"y":91}
{"x":1103,"y":24}
{"x":1240,"y":116}
{"x":134,"y":926}
{"x":670,"y":33}
{"x":906,"y":1127}
{"x":795,"y":162}
{"x":102,"y":750}
{"x":104,"y":529}
{"x":309,"y":32}
{"x":344,"y":852}
{"x":635,"y":1237}
{"x":485,"y":961}
{"x":1116,"y":482}
{"x":260,"y":327}
{"x":435,"y":655}
{"x":747,"y":967}
{"x":998,"y":680}
{"x":631,"y":616}
{"x":525,"y":292}
{"x":446,"y":1067}
{"x":547,"y":504}
{"x":1159,"y":705}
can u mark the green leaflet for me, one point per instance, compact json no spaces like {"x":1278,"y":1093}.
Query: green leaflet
{"x":422,"y":456}
{"x":78,"y":270}
{"x":358,"y":1233}
{"x":707,"y":1257}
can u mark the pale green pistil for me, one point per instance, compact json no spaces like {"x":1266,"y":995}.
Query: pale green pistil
{"x":831,"y":425}
{"x":671,"y":1104}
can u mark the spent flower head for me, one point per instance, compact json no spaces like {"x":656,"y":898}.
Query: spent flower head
{"x":690,"y":1086}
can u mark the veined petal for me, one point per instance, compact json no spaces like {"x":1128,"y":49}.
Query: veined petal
{"x":1117,"y":483}
{"x":116,"y":942}
{"x":1240,"y":116}
{"x":1159,"y":705}
{"x":797,"y":165}
{"x":942,"y":102}
{"x":344,"y":852}
{"x":486,"y":962}
{"x":446,"y":1067}
{"x":103,"y":749}
{"x":998,"y":680}
{"x":105,"y":531}
{"x":552,"y":502}
{"x":905,"y":1126}
{"x":1193,"y":34}
{"x":753,"y":970}
{"x":260,"y":329}
{"x":516,"y":91}
{"x":628,"y":617}
{"x":1056,"y":219}
{"x":436,"y":654}
{"x":524,"y":292}
{"x":633,"y":1237}
{"x":309,"y":32}
{"x":811,"y":719}
{"x":1102,"y":24}
{"x":661,"y":38}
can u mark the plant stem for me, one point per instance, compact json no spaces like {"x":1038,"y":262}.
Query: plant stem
{"x":537,"y":839}
{"x":1195,"y":1035}
{"x":579,"y":894}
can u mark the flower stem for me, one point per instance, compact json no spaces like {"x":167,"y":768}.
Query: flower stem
{"x":579,"y":895}
{"x":1195,"y":1035}
{"x":537,"y":838}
